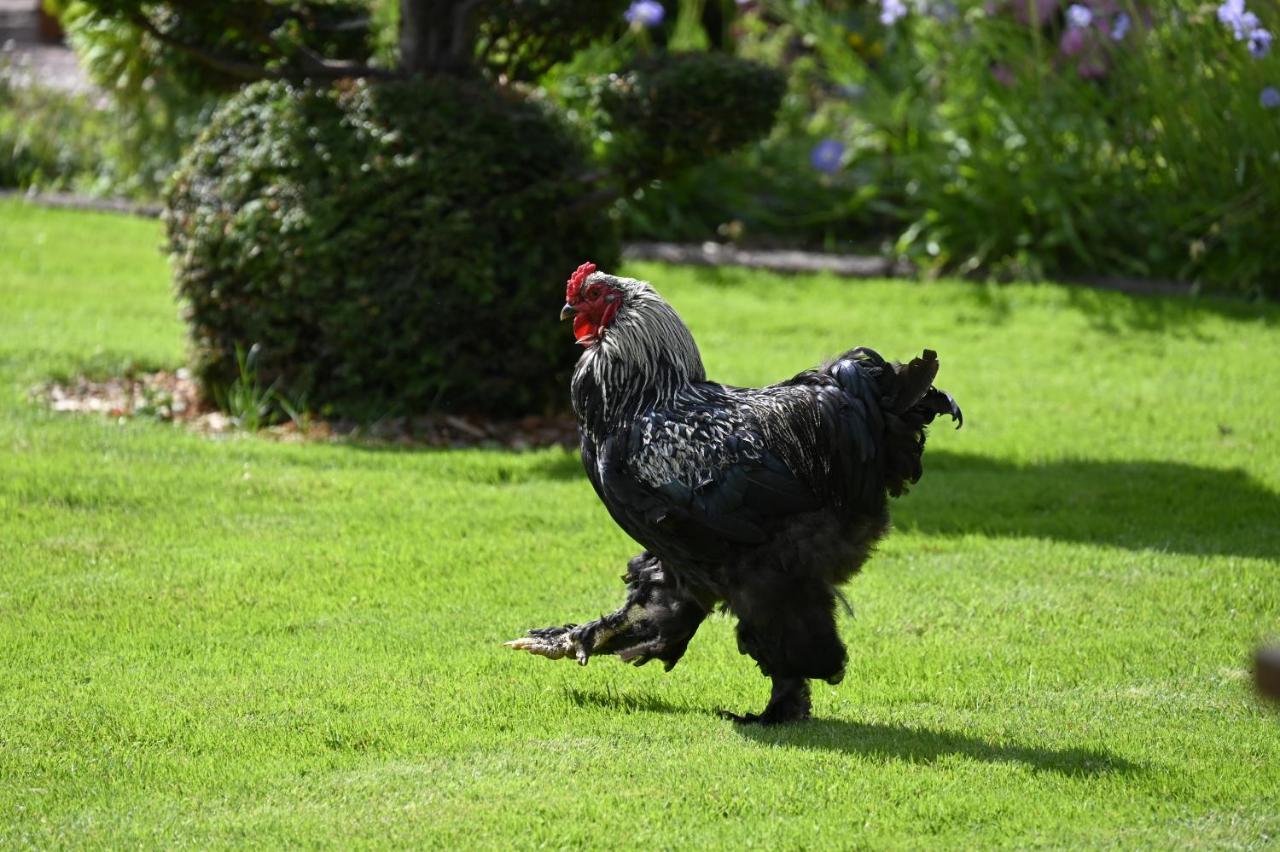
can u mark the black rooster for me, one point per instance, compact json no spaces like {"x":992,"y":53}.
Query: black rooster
{"x":763,"y":499}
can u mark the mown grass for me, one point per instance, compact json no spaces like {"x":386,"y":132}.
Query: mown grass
{"x":223,"y":642}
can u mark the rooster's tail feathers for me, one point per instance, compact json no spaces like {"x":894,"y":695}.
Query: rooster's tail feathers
{"x":909,"y":403}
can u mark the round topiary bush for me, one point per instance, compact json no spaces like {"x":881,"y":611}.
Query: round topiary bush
{"x":395,"y":247}
{"x":673,"y":111}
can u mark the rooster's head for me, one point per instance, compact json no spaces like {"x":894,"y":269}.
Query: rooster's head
{"x":593,"y":301}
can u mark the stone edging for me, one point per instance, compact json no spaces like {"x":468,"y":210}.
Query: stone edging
{"x":717,"y":254}
{"x":70,"y":201}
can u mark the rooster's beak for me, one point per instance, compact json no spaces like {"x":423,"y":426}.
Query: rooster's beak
{"x":567,"y":311}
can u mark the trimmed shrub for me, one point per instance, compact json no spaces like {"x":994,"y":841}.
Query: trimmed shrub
{"x":678,"y":110}
{"x":393,"y":247}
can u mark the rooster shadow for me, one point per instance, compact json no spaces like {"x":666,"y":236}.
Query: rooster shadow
{"x":1139,"y":505}
{"x":908,"y":744}
{"x":882,"y":741}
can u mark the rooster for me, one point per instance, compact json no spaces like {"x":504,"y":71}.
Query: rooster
{"x":762,"y":500}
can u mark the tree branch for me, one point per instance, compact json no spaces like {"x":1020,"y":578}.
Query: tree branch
{"x":589,"y":202}
{"x":315,"y":65}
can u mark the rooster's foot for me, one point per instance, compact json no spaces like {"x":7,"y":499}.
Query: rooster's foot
{"x":555,"y":643}
{"x":789,"y":702}
{"x":764,"y":719}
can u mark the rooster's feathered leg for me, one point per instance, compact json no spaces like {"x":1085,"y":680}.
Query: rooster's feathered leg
{"x":789,"y":629}
{"x":656,"y":621}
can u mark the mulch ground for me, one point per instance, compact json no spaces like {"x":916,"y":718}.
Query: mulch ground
{"x":175,"y":397}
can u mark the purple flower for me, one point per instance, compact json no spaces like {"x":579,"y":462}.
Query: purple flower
{"x":1072,"y":42}
{"x":945,"y":11}
{"x":1242,"y":22}
{"x":1039,"y":11}
{"x":1270,"y":98}
{"x":1230,"y":10}
{"x":892,"y":11}
{"x":646,"y":13}
{"x":1259,"y":43}
{"x":1091,"y":69}
{"x":826,"y":156}
{"x":1120,"y":27}
{"x":1004,"y":75}
{"x":1245,"y":24}
{"x":1231,"y":13}
{"x":1079,"y":16}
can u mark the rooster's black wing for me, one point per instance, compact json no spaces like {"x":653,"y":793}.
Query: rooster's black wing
{"x":727,"y":467}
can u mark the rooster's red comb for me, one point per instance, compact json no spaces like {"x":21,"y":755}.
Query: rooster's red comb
{"x":575,"y":280}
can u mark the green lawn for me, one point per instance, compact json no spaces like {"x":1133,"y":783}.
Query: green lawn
{"x":225,"y":642}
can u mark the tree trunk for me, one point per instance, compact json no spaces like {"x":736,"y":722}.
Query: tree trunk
{"x":416,"y":49}
{"x":437,"y":36}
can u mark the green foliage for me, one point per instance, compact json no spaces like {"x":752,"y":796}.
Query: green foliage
{"x":250,"y":405}
{"x":122,"y":139}
{"x":268,"y":33}
{"x":975,"y":143}
{"x":1160,"y":167}
{"x":48,"y":139}
{"x":672,"y":111}
{"x":208,"y":641}
{"x":394,"y":247}
{"x":389,"y":247}
{"x":523,"y":39}
{"x":70,"y":141}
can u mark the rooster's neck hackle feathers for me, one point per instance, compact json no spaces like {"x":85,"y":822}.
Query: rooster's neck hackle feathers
{"x":645,"y":356}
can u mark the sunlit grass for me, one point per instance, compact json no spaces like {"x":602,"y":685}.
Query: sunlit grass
{"x":213,"y":642}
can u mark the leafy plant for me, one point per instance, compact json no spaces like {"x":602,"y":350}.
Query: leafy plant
{"x":245,"y":399}
{"x":1106,"y":137}
{"x":48,"y":138}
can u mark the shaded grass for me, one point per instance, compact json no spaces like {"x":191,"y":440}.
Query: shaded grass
{"x":237,"y":642}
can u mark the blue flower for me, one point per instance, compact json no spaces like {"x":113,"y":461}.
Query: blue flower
{"x":826,"y":156}
{"x":1270,"y":98}
{"x":942,"y":10}
{"x":1259,"y":43}
{"x":1230,"y":13}
{"x":646,"y":13}
{"x":1120,"y":27}
{"x":1242,"y":22}
{"x":1245,"y":24}
{"x":892,"y":11}
{"x":1230,"y":10}
{"x":1080,"y":16}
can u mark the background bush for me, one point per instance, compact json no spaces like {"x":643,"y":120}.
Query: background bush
{"x":393,"y":247}
{"x":678,"y":110}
